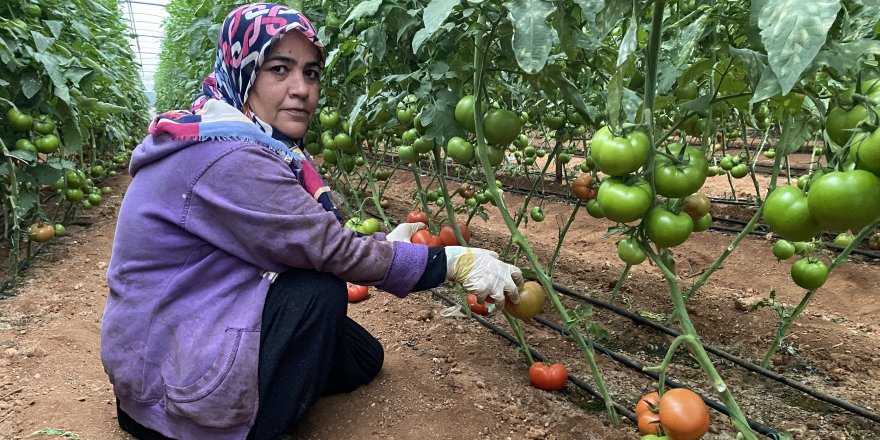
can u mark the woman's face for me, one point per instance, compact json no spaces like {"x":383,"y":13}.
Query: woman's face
{"x":285,"y":92}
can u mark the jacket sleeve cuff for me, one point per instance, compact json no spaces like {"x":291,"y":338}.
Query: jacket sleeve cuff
{"x":406,"y":269}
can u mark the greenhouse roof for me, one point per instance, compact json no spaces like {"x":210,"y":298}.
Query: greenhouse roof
{"x":144,"y":18}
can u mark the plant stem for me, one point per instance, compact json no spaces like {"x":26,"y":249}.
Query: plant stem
{"x":562,"y":233}
{"x":620,"y":282}
{"x":522,"y":241}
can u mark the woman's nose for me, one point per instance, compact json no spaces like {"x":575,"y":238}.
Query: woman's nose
{"x":297,"y":86}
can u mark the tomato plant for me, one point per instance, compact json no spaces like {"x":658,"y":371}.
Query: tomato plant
{"x":548,"y":377}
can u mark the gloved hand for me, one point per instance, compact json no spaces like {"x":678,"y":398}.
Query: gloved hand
{"x":480,"y":272}
{"x":404,"y":231}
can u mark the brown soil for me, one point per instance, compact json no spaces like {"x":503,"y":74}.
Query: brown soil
{"x":450,"y":378}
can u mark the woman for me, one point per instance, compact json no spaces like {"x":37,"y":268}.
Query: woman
{"x":227,"y":310}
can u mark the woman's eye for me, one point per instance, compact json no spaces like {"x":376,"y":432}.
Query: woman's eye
{"x":280,"y":68}
{"x":313,"y":74}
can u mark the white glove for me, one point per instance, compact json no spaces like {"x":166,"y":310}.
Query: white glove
{"x":404,"y":231}
{"x":480,"y":272}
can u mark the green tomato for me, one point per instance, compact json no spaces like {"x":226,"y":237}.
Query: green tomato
{"x":726,"y":163}
{"x":666,"y":228}
{"x":783,"y":250}
{"x":555,"y":120}
{"x":422,"y":144}
{"x":624,"y":202}
{"x":844,"y":239}
{"x":345,"y":143}
{"x":674,"y":178}
{"x":47,"y":144}
{"x":460,"y":150}
{"x":619,"y":155}
{"x":594,"y":209}
{"x":464,"y":113}
{"x":74,"y":195}
{"x":770,"y":154}
{"x":845,"y":200}
{"x":537,"y":214}
{"x":19,"y":120}
{"x":44,"y":125}
{"x":787,"y":212}
{"x":95,"y":198}
{"x":331,"y":157}
{"x":809,"y":274}
{"x":563,"y":158}
{"x":630,"y":252}
{"x":868,"y":152}
{"x":501,"y":127}
{"x":314,"y":148}
{"x":25,"y":145}
{"x":702,"y":224}
{"x":739,"y":171}
{"x":328,"y":118}
{"x":496,"y":156}
{"x":840,"y":123}
{"x":407,"y":153}
{"x":369,"y":226}
{"x":59,"y":229}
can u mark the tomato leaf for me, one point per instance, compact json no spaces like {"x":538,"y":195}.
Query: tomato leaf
{"x":629,"y":44}
{"x":363,"y":9}
{"x":54,"y":26}
{"x":532,"y":37}
{"x":793,"y":31}
{"x":434,"y":15}
{"x":50,"y":62}
{"x":844,"y":56}
{"x":590,"y":8}
{"x":46,"y":174}
{"x":795,"y":131}
{"x":41,"y":41}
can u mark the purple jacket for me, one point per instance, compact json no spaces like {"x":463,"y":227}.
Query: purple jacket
{"x":199,"y":223}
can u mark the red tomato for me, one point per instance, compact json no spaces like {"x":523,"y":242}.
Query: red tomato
{"x":447,"y":235}
{"x":549,"y":377}
{"x":476,"y":307}
{"x":435,"y":241}
{"x":421,"y":237}
{"x":417,"y":216}
{"x":357,"y":293}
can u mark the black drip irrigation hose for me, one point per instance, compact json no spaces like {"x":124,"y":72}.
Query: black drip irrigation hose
{"x":510,"y":338}
{"x":635,"y":366}
{"x":819,"y":395}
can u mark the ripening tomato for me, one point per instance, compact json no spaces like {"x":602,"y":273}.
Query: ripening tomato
{"x":416,"y":217}
{"x":582,"y":187}
{"x":41,"y":232}
{"x":475,"y":306}
{"x":531,"y":301}
{"x":548,"y":377}
{"x":696,"y":205}
{"x":448,"y":238}
{"x":683,"y":415}
{"x":357,"y":293}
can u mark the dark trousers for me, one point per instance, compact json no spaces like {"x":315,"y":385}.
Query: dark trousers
{"x":308,"y":348}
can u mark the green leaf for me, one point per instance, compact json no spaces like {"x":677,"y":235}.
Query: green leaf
{"x":442,"y":122}
{"x":793,"y":31}
{"x":768,"y":86}
{"x":532,"y":36}
{"x":50,"y":62}
{"x":30,"y":85}
{"x":23,"y":155}
{"x":46,"y":174}
{"x":76,"y":74}
{"x":572,"y":94}
{"x":629,"y":44}
{"x":846,"y":56}
{"x":41,"y":41}
{"x":363,"y":9}
{"x":614,"y":103}
{"x":55,"y":27}
{"x":375,"y":38}
{"x":590,"y":8}
{"x":25,"y":202}
{"x":434,"y":15}
{"x":795,"y":131}
{"x":754,"y":62}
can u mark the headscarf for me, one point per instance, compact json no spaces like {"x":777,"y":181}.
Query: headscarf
{"x":219,"y":112}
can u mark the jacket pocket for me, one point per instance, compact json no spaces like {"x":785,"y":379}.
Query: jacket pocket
{"x":226,"y":395}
